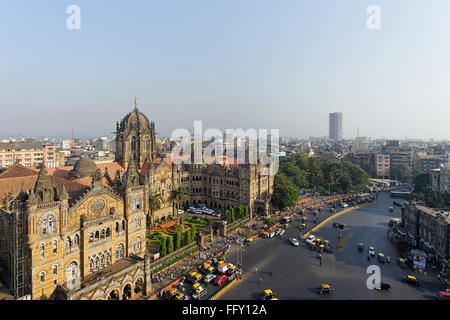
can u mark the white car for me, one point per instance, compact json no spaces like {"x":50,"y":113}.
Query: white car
{"x":310,"y":239}
{"x":344,"y":205}
{"x":372,"y":251}
{"x":180,"y":211}
{"x":294,"y":242}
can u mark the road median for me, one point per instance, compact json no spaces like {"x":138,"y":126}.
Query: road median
{"x":332,"y":217}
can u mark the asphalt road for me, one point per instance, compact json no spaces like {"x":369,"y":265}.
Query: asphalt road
{"x":296,"y":270}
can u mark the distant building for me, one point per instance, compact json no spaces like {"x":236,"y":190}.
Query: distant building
{"x":29,"y":153}
{"x":336,"y":129}
{"x":401,"y":155}
{"x":440,"y":178}
{"x":383,"y":165}
{"x":392,"y":143}
{"x":360,"y":144}
{"x":432,"y":162}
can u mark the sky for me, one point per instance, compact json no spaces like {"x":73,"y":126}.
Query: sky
{"x":280,"y":64}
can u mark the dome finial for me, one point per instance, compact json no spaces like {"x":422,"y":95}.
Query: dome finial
{"x":135,"y":103}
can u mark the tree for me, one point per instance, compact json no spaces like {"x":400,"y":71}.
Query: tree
{"x":163,"y":250}
{"x":402,"y":172}
{"x":169,"y":244}
{"x":178,"y":196}
{"x":284,"y":196}
{"x":177,"y":240}
{"x":154,"y":203}
{"x":296,"y":175}
{"x":421,"y":181}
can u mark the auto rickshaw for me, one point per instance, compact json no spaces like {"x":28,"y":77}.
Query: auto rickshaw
{"x":326,"y":243}
{"x":381,"y":258}
{"x":391,"y":209}
{"x":332,"y":210}
{"x":361,"y":246}
{"x":249,"y":241}
{"x":318,"y":241}
{"x":304,"y":219}
{"x":320,"y":248}
{"x":267,"y":295}
{"x":312,"y":245}
{"x":320,"y":209}
{"x":316,"y":212}
{"x":303,"y":227}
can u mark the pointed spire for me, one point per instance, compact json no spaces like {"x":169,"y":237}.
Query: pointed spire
{"x":63,"y":195}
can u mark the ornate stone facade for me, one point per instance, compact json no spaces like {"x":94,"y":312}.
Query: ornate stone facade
{"x":80,"y":233}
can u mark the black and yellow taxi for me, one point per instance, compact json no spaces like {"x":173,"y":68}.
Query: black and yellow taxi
{"x":324,"y":288}
{"x":268,"y":294}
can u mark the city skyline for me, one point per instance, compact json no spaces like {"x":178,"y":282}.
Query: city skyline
{"x":229,"y":64}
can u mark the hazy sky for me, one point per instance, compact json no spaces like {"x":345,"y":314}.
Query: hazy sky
{"x":232,"y":63}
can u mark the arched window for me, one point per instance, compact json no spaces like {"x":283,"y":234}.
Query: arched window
{"x":42,"y":247}
{"x":91,"y":237}
{"x":117,"y":227}
{"x":119,"y":251}
{"x":102,"y":234}
{"x":108,"y":232}
{"x":55,"y":270}
{"x":91,"y":265}
{"x":97,"y":236}
{"x":55,"y":246}
{"x":76,"y":240}
{"x":123,"y":225}
{"x":68,"y":242}
{"x":137,"y":222}
{"x":137,"y":245}
{"x":42,"y":277}
{"x":47,"y":223}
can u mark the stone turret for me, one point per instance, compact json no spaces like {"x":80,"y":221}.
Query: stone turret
{"x":44,"y":188}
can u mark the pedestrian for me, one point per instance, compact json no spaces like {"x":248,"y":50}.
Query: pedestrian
{"x":256,"y":270}
{"x":439,"y":276}
{"x":259,"y":281}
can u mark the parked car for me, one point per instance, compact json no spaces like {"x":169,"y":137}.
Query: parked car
{"x":209,"y":277}
{"x":371,"y":251}
{"x":198,"y":291}
{"x":220,"y":280}
{"x":344,"y":205}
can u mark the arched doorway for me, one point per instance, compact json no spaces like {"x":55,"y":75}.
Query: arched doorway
{"x":126,"y":292}
{"x":139,"y":285}
{"x":114,"y":295}
{"x":260,"y":211}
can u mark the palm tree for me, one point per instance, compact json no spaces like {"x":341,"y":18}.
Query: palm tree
{"x":178,"y":195}
{"x":153,"y":203}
